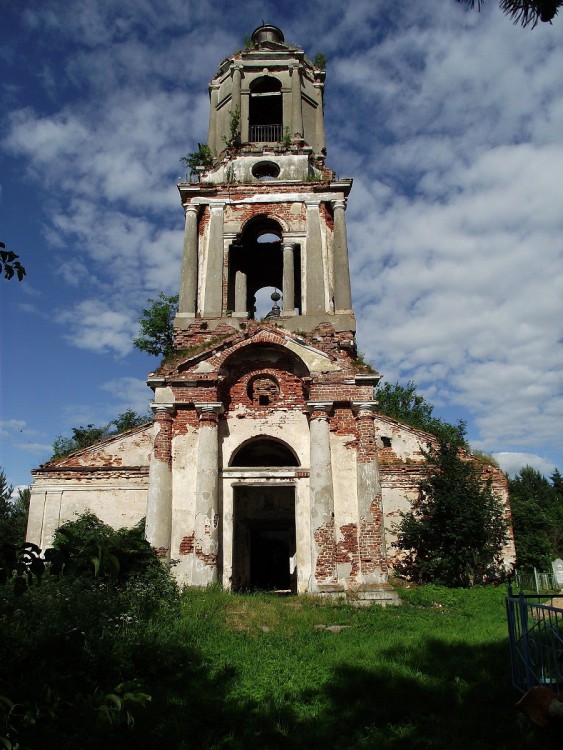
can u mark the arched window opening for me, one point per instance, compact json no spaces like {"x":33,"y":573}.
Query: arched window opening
{"x":266,"y":110}
{"x":263,"y":390}
{"x":264,"y":452}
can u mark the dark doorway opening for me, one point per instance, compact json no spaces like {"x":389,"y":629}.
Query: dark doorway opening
{"x":264,"y":539}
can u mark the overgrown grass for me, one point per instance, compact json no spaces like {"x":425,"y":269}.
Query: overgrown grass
{"x":256,"y":671}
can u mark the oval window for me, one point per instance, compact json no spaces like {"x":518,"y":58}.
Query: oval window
{"x":265,"y":170}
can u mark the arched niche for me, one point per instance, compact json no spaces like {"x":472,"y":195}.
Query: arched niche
{"x":264,"y":451}
{"x":255,"y":356}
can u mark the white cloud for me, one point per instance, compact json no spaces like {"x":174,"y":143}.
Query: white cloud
{"x":35,"y":448}
{"x":511,"y":463}
{"x":95,"y":326}
{"x":10,"y":426}
{"x":129,"y":393}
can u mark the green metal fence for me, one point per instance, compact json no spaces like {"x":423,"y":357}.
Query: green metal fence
{"x":535,"y":633}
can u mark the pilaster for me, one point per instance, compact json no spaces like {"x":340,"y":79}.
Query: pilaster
{"x":213,"y":297}
{"x":323,"y":541}
{"x":371,"y":534}
{"x":207,"y":512}
{"x":158,"y":526}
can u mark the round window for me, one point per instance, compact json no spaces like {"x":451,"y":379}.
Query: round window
{"x":265,"y":170}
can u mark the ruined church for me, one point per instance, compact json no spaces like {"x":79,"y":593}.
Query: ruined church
{"x":267,"y":465}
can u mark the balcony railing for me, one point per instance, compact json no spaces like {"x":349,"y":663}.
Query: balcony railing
{"x":266,"y":133}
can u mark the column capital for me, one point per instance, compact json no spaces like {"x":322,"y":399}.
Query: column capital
{"x":190,"y":207}
{"x":312,"y":203}
{"x":339,"y":203}
{"x":365,"y":408}
{"x":214,"y":86}
{"x":211,"y":407}
{"x":159,"y":409}
{"x":287,"y":244}
{"x":319,"y":409}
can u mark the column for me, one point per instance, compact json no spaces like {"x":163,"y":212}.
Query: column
{"x":236,"y":87}
{"x":341,"y":268}
{"x":296,"y":107}
{"x":315,"y":292}
{"x":319,"y":119}
{"x":206,"y":531}
{"x":188,"y":278}
{"x":158,"y":527}
{"x":371,"y":532}
{"x":288,"y":279}
{"x":240,"y":295}
{"x":323,"y":541}
{"x":213,"y":273}
{"x":212,"y":134}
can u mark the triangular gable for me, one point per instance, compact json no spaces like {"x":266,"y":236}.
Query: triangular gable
{"x":213,"y":358}
{"x":130,"y":448}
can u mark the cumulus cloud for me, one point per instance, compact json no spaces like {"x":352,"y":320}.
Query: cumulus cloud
{"x":511,"y":463}
{"x":92,"y":324}
{"x":129,"y":393}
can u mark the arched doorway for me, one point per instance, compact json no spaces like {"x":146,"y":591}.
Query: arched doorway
{"x":264,"y":543}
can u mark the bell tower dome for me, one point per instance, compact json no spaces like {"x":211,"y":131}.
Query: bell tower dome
{"x":263,"y":211}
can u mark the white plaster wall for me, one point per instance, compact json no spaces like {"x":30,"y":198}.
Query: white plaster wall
{"x":118,"y":504}
{"x":291,"y":427}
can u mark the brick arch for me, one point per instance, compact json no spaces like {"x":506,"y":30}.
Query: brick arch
{"x":266,"y":217}
{"x":224,"y":360}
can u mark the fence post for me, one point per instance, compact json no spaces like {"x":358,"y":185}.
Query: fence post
{"x":537,"y":580}
{"x":523,"y":608}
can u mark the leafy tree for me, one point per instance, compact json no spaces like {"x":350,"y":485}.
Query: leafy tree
{"x":9,"y":264}
{"x":455,"y":532}
{"x":537,"y":518}
{"x":403,"y":403}
{"x":524,"y":12}
{"x":157,"y":326}
{"x":127,"y":420}
{"x":92,"y":548}
{"x":13,"y":513}
{"x":85,"y":436}
{"x":82,"y":437}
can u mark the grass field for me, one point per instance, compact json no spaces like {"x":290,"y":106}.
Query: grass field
{"x":256,"y":671}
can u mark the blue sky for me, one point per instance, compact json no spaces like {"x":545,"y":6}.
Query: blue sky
{"x":449,"y":121}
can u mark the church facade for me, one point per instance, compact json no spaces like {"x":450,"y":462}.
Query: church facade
{"x":267,"y":465}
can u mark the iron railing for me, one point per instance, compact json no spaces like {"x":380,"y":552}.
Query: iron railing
{"x":535,"y":634}
{"x":266,"y":133}
{"x":535,"y":580}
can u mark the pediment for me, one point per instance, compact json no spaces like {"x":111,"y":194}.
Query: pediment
{"x":127,"y":449}
{"x":208,"y":363}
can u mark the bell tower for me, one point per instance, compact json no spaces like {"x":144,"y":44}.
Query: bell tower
{"x":264,"y":470}
{"x":263,"y":211}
